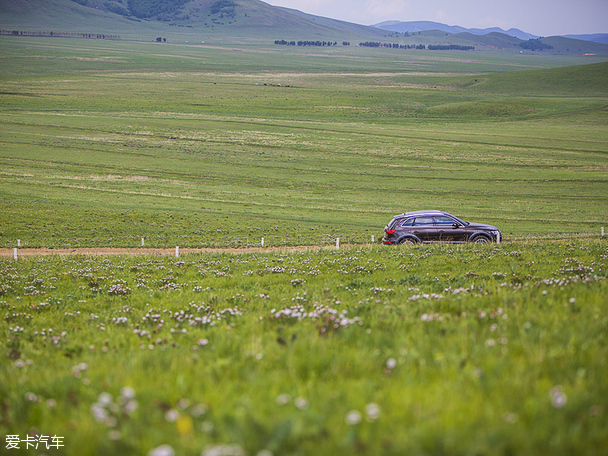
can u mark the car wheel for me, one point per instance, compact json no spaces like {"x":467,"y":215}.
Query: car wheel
{"x":407,"y":241}
{"x":481,"y":240}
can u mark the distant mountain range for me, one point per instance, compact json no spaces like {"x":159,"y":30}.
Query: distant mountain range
{"x":425,"y":26}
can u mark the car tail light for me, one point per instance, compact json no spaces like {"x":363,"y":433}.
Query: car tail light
{"x":390,"y":231}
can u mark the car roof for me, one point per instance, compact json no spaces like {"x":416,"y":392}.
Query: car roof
{"x":413,"y":213}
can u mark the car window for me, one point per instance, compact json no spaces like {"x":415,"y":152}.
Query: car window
{"x":444,"y":221}
{"x":424,"y":221}
{"x":408,"y":222}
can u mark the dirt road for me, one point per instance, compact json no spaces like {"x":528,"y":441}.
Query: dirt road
{"x":25,"y":252}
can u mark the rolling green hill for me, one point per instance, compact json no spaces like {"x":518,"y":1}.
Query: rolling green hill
{"x":580,"y":81}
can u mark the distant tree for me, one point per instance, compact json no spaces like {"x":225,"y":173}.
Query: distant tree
{"x":535,"y":45}
{"x":449,"y":47}
{"x":370,"y":44}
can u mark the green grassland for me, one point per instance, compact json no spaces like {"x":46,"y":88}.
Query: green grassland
{"x":436,"y":350}
{"x":432,"y":350}
{"x":103,"y":143}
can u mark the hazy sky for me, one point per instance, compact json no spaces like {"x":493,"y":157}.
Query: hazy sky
{"x":539,"y":17}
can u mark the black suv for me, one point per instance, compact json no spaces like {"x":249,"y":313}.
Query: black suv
{"x":436,"y":226}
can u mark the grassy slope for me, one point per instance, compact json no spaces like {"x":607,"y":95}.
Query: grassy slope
{"x":585,"y":81}
{"x":255,"y":22}
{"x":135,"y":135}
{"x":65,"y":16}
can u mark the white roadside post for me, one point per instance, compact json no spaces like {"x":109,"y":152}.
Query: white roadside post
{"x":262,"y":242}
{"x":498,"y":238}
{"x":176,"y":251}
{"x":602,"y":231}
{"x":15,"y":253}
{"x":142,"y":241}
{"x":337,"y":243}
{"x":19,"y":242}
{"x":373,"y":238}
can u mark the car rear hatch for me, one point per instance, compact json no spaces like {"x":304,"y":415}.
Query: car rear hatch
{"x":389,"y":231}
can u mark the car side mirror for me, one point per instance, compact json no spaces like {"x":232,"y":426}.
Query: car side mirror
{"x":456,"y":225}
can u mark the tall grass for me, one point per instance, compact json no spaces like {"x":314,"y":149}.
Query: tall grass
{"x":446,"y":350}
